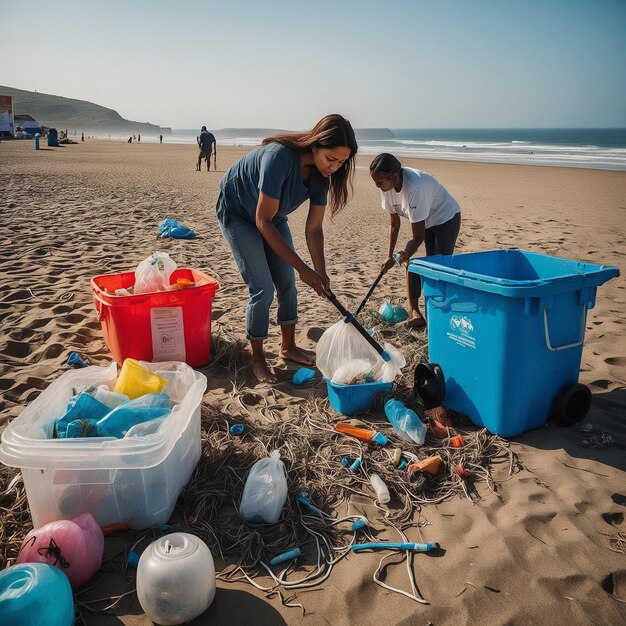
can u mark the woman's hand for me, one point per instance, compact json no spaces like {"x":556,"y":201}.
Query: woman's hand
{"x":314,"y":280}
{"x":387,"y":264}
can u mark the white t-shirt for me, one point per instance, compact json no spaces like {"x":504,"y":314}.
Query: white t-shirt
{"x":421,"y":198}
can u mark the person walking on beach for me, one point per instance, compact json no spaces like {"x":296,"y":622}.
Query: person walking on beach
{"x":435,"y":218}
{"x":208,"y":146}
{"x":160,"y":138}
{"x":257,"y":194}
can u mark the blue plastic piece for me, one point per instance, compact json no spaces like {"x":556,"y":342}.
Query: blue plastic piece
{"x":303,"y":499}
{"x":82,"y":428}
{"x":286,"y":556}
{"x":76,"y":360}
{"x":405,"y":421}
{"x":303,"y":375}
{"x":380,"y":439}
{"x":345,"y":462}
{"x":81,"y":407}
{"x":402,"y":463}
{"x":507,"y":328}
{"x":355,"y":466}
{"x":32,"y":594}
{"x":164,"y":528}
{"x":388,"y":545}
{"x":133,"y":559}
{"x":172,"y":228}
{"x":236,"y":429}
{"x":350,"y":399}
{"x":360,"y":523}
{"x":122,"y":418}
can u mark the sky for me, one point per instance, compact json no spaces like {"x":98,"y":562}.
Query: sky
{"x":287,"y":63}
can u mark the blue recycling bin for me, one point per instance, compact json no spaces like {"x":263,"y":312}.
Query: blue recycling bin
{"x":507,"y":328}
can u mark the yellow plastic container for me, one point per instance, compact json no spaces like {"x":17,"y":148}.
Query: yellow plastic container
{"x":136,"y":380}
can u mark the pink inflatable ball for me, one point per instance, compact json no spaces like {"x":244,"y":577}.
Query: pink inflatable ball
{"x":75,"y":547}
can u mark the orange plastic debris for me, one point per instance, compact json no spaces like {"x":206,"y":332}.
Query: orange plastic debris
{"x":363,"y":434}
{"x":430,"y":466}
{"x":439,"y":430}
{"x":439,"y":414}
{"x":457,"y":441}
{"x":113,"y":528}
{"x":462,"y":472}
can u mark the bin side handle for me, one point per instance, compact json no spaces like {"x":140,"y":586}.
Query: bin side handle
{"x":583,"y":316}
{"x":457,"y":307}
{"x":99,"y":308}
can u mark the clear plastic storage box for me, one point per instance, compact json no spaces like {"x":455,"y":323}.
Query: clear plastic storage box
{"x":133,"y":481}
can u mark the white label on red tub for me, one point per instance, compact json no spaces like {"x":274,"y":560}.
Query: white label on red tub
{"x":168,"y":333}
{"x":462,"y":331}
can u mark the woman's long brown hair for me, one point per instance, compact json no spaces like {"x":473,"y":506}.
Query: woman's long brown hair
{"x":332,"y":131}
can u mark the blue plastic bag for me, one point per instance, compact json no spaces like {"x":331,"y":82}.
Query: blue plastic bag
{"x":142,"y":409}
{"x":171,"y":228}
{"x":81,"y":407}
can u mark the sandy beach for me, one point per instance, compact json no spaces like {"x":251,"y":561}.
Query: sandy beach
{"x":544,"y":549}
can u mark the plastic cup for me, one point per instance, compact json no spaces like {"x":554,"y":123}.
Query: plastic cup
{"x":136,"y":380}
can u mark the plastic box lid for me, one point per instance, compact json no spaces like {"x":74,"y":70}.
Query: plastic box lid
{"x":513,"y":272}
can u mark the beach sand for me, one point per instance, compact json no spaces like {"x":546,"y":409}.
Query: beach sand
{"x":537,"y":552}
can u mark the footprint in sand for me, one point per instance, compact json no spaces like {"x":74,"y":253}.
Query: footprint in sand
{"x":615,"y":519}
{"x":616,"y":360}
{"x":615,"y":585}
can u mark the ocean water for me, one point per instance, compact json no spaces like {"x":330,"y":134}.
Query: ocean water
{"x":597,"y":148}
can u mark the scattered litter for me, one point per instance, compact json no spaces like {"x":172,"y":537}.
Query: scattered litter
{"x":75,"y":360}
{"x":236,"y":429}
{"x":174,"y":229}
{"x":303,"y":375}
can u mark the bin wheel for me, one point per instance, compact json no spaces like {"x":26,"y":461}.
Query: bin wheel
{"x":429,"y":386}
{"x":572,"y":405}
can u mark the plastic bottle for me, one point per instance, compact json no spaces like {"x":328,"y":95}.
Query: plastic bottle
{"x":109,"y":398}
{"x":382,"y":493}
{"x":405,"y":421}
{"x":386,"y":311}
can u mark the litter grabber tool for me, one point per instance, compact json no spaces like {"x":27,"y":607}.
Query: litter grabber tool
{"x":388,"y":545}
{"x":374,"y":285}
{"x":352,"y":320}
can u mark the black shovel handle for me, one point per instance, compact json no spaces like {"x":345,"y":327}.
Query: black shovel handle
{"x":350,"y":318}
{"x":369,"y":293}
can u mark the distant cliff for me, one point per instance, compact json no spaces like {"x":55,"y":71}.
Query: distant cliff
{"x":78,"y":115}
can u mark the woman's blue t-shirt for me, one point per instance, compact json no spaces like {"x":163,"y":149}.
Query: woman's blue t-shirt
{"x":275,"y":170}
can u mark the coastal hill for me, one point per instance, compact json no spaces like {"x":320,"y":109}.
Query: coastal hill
{"x":78,"y":115}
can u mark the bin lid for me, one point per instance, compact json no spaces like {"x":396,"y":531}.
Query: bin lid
{"x":513,"y":272}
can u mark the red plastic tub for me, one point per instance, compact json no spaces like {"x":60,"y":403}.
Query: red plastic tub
{"x":162,"y":326}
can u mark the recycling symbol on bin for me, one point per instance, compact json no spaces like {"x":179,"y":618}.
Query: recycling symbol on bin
{"x":461,"y":323}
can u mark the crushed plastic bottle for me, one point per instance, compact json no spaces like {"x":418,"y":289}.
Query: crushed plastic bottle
{"x":405,"y":421}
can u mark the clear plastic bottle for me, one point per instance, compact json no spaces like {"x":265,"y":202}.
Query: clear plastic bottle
{"x":382,"y":493}
{"x":405,"y":421}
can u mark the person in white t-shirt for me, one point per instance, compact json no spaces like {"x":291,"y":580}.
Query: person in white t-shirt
{"x":435,"y":218}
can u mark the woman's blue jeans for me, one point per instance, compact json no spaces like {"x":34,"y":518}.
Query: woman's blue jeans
{"x":263,"y":271}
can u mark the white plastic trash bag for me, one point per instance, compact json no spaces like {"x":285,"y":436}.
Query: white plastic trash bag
{"x":153,"y":274}
{"x":265,"y":491}
{"x":342,"y":351}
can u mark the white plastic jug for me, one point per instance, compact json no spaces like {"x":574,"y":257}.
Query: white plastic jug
{"x":175,"y":579}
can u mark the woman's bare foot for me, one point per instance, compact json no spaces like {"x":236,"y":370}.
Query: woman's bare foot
{"x":298,"y":355}
{"x":262,"y":373}
{"x":416,"y":322}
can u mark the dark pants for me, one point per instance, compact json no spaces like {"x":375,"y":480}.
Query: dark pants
{"x":439,"y":240}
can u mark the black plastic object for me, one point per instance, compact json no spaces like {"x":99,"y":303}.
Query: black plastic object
{"x":368,"y":294}
{"x":350,"y":318}
{"x":572,"y":405}
{"x":429,"y":386}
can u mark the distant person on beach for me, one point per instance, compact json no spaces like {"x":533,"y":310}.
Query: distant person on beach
{"x":257,"y":194}
{"x":435,"y":218}
{"x":138,"y":138}
{"x":208,"y":146}
{"x":160,"y":138}
{"x":130,"y":139}
{"x":82,"y":136}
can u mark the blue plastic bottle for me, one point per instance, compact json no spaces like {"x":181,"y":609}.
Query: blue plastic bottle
{"x":32,"y":594}
{"x":405,"y":421}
